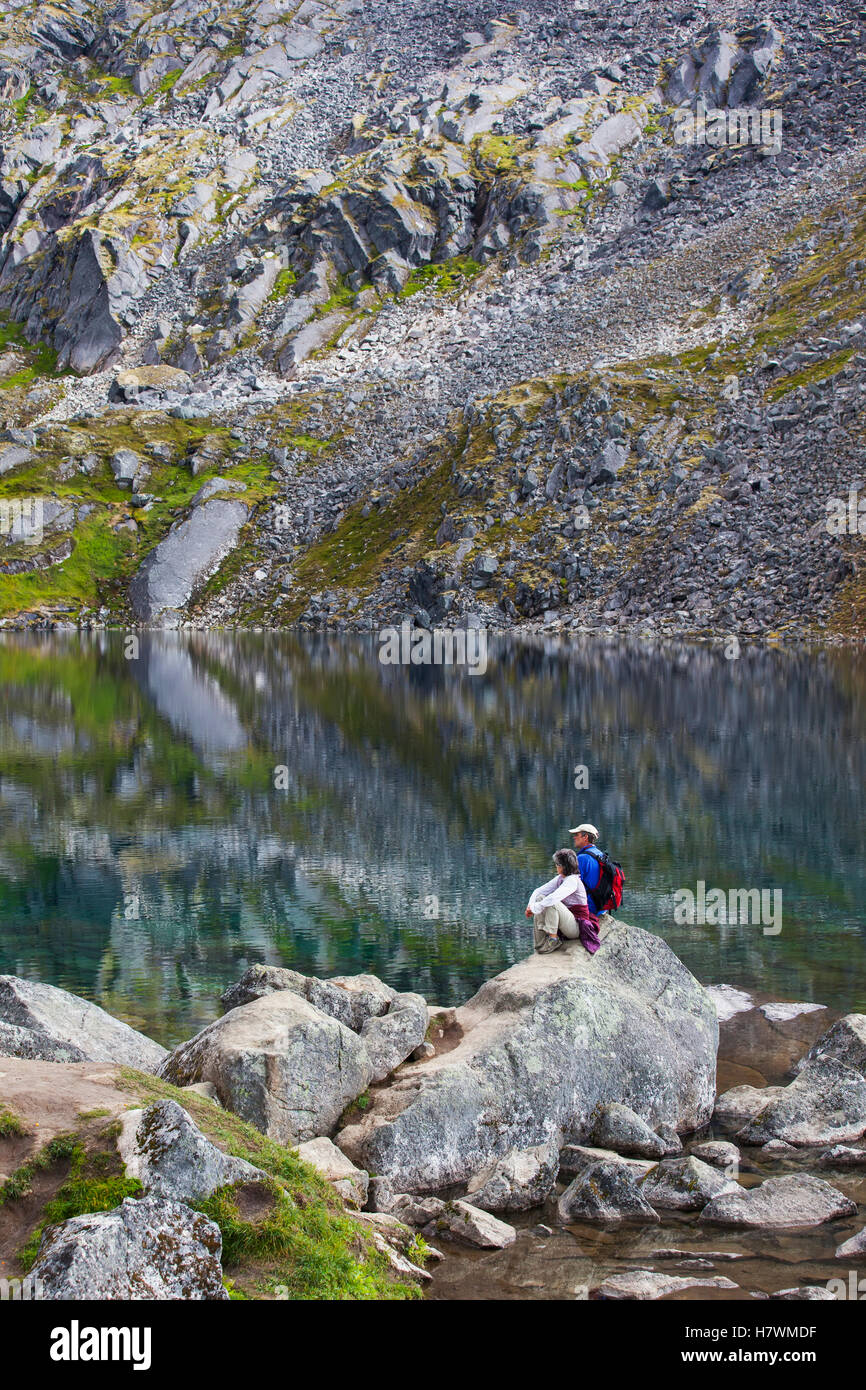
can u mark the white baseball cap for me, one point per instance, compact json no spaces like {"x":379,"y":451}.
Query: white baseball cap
{"x":586,"y":828}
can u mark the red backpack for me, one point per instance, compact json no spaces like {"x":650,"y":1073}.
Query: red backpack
{"x":607,"y":893}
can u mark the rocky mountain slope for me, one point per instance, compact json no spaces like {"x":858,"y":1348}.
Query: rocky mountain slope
{"x":341,"y":313}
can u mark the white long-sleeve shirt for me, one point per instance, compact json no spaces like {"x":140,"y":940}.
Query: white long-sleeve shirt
{"x":568,"y":890}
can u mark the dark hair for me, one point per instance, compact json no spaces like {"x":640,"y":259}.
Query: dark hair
{"x":566,"y":859}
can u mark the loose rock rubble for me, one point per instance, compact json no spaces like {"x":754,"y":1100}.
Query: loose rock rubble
{"x":449,"y":304}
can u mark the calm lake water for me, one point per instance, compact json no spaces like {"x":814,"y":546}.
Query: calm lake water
{"x":147,"y":856}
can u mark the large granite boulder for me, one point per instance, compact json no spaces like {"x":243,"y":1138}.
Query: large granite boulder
{"x":390,"y":1025}
{"x":390,"y":1038}
{"x":164,"y":1148}
{"x":144,"y":1249}
{"x":46,"y":1024}
{"x":190,"y":553}
{"x":351,"y":999}
{"x":279,"y":1063}
{"x":544,"y":1045}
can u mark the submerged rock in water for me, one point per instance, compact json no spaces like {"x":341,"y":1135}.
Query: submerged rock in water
{"x":522,"y":1179}
{"x":42,"y":1023}
{"x":145,"y":1249}
{"x":843,"y":1156}
{"x":164,"y":1148}
{"x":825,"y":1104}
{"x":544,"y":1045}
{"x":646,"y":1284}
{"x":780,"y":1202}
{"x":806,"y":1293}
{"x":853,"y":1248}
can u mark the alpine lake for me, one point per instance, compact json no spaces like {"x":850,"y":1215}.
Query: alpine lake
{"x":176,"y":807}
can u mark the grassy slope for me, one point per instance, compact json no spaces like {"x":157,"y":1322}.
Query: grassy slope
{"x":287,"y":1238}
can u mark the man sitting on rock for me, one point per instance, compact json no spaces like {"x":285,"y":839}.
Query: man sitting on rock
{"x":588,"y":865}
{"x":560,"y":910}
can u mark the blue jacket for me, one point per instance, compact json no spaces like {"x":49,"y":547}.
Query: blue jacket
{"x":590,"y":872}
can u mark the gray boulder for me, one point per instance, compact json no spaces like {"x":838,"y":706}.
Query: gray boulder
{"x":351,"y":999}
{"x":47,"y":1024}
{"x":467,"y":1224}
{"x":683,"y":1184}
{"x":779,"y":1202}
{"x":744,"y":1103}
{"x":826,"y":1104}
{"x":843,"y":1156}
{"x":164,"y":1148}
{"x":844,"y":1042}
{"x":620,"y":1129}
{"x":522,"y":1179}
{"x":717,"y":1152}
{"x":576,"y":1158}
{"x":805,"y":1293}
{"x":148,"y":1249}
{"x":125,"y":463}
{"x":606,"y":1191}
{"x":352,"y":1183}
{"x":185,"y":559}
{"x":390,"y":1038}
{"x":391,"y":1025}
{"x":279,"y":1063}
{"x":543,"y":1046}
{"x":415,"y":1211}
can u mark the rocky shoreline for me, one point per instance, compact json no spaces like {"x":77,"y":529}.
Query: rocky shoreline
{"x":579,"y":1090}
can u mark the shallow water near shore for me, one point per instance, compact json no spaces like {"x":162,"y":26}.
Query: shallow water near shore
{"x":552,"y":1262}
{"x":147,"y":856}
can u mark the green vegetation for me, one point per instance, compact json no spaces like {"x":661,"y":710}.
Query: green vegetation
{"x":283,"y":283}
{"x":444,"y":277}
{"x":95,"y":1182}
{"x":41,"y":360}
{"x":287,"y":1236}
{"x":298,"y":1239}
{"x":104,"y":558}
{"x":11,"y":1127}
{"x":818,"y":371}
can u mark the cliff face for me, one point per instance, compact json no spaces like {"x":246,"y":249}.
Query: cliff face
{"x":549,"y":317}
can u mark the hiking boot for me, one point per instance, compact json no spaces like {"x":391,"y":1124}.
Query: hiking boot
{"x":550,"y":943}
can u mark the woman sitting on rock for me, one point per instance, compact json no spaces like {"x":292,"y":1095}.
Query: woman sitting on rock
{"x":560,"y":908}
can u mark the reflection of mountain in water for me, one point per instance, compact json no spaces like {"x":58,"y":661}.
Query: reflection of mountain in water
{"x":146,"y":855}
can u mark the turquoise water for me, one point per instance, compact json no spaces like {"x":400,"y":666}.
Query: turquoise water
{"x":147,"y":856}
